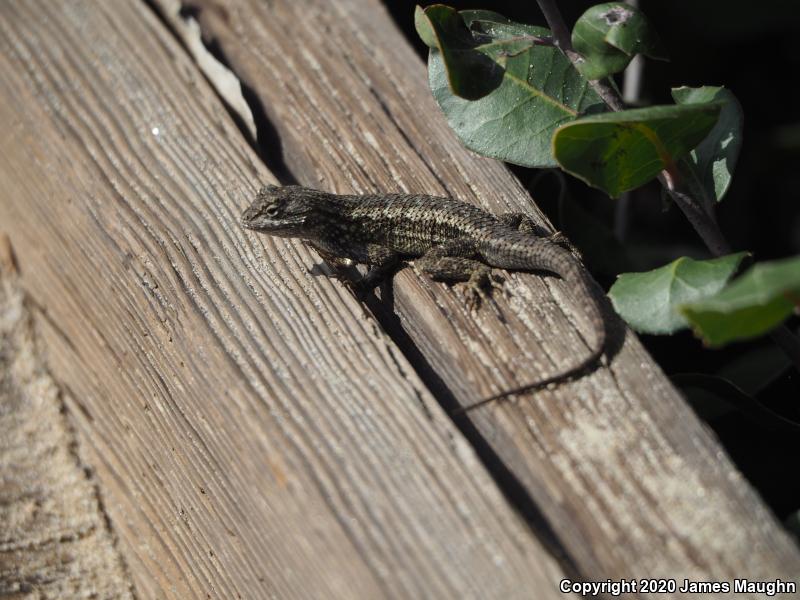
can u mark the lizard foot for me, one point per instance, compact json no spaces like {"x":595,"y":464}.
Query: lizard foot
{"x":480,"y":286}
{"x":358,"y":287}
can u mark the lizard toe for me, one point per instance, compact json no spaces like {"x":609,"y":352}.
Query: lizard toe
{"x":474,"y":297}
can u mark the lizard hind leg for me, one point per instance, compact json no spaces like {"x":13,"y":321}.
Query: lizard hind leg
{"x":524,"y":224}
{"x":383,"y":263}
{"x":455,"y":262}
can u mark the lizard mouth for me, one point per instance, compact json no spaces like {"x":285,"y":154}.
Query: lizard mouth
{"x":249,"y":218}
{"x":264,"y":224}
{"x":246,"y":222}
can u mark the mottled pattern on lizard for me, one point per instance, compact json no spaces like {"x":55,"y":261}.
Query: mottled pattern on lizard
{"x":448,"y":240}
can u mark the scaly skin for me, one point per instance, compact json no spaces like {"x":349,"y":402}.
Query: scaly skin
{"x":448,"y":240}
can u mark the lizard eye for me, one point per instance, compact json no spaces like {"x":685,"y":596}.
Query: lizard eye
{"x":271,"y":210}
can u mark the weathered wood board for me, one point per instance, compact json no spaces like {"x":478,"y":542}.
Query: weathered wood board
{"x":630,"y":481}
{"x":253,"y":432}
{"x":55,"y":540}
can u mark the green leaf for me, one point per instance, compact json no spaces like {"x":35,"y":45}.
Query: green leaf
{"x":424,"y":29}
{"x":620,"y":151}
{"x":752,"y":305}
{"x":470,"y":73}
{"x":609,"y":35}
{"x":709,"y":167}
{"x":529,"y":89}
{"x":649,"y":301}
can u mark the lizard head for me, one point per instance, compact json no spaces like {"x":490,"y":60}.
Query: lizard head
{"x":287,"y":211}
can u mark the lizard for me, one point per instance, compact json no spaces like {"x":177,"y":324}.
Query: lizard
{"x":448,"y":240}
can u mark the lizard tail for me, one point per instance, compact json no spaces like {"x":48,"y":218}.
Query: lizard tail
{"x":564,"y":264}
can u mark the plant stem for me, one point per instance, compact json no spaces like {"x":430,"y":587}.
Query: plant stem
{"x":552,"y":15}
{"x":563,"y":41}
{"x":703,"y":221}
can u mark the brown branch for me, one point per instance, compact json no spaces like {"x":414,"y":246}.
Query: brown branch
{"x":563,"y":41}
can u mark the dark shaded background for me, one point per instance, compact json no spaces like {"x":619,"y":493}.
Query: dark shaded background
{"x":755,"y":53}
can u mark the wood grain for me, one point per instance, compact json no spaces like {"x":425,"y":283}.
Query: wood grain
{"x":55,"y":542}
{"x":630,"y":481}
{"x":254,"y":432}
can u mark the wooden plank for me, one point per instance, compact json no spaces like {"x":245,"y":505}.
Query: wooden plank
{"x":55,"y":542}
{"x":627,"y":476}
{"x":254,"y":433}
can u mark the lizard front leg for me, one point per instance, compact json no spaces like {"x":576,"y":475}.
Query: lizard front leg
{"x":383,"y":262}
{"x":456,"y":261}
{"x":339,"y":263}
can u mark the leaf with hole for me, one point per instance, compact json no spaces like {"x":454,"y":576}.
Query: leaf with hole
{"x":620,"y":151}
{"x":649,"y":301}
{"x":502,"y":86}
{"x":752,"y":305}
{"x":608,"y":36}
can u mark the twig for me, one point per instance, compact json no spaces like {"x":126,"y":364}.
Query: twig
{"x":704,"y":222}
{"x":557,"y":25}
{"x":563,"y":41}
